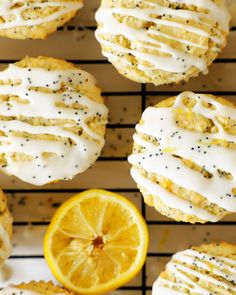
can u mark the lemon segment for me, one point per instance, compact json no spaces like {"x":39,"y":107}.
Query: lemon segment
{"x":96,"y":242}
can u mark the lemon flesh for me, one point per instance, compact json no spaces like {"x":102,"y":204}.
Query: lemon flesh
{"x":96,"y":242}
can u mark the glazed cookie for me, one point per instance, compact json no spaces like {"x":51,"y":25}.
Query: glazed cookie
{"x":5,"y":229}
{"x":232,"y":9}
{"x":35,"y":288}
{"x":176,"y":161}
{"x":52,"y":120}
{"x":35,"y":19}
{"x":162,"y":41}
{"x":205,"y":270}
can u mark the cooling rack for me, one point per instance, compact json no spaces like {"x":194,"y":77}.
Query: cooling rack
{"x":32,"y":207}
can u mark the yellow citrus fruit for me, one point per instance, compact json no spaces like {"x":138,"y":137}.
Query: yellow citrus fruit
{"x":96,"y":242}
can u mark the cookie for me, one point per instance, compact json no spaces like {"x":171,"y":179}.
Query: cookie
{"x":162,"y":41}
{"x":35,"y":288}
{"x":208,"y":269}
{"x":35,"y":19}
{"x":184,"y":157}
{"x":5,"y":229}
{"x":52,"y":120}
{"x":232,"y":9}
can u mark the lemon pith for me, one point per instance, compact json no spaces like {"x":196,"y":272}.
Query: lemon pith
{"x":96,"y":242}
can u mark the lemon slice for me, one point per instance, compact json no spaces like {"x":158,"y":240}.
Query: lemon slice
{"x":96,"y":242}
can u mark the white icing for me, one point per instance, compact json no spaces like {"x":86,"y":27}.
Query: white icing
{"x":158,"y":159}
{"x":175,"y":61}
{"x":7,"y":10}
{"x":67,"y":160}
{"x":205,"y":266}
{"x":11,"y":290}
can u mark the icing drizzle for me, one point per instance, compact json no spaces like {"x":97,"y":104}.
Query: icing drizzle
{"x":70,"y":153}
{"x":172,"y":59}
{"x":173,"y":141}
{"x":206,"y":267}
{"x":13,"y":15}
